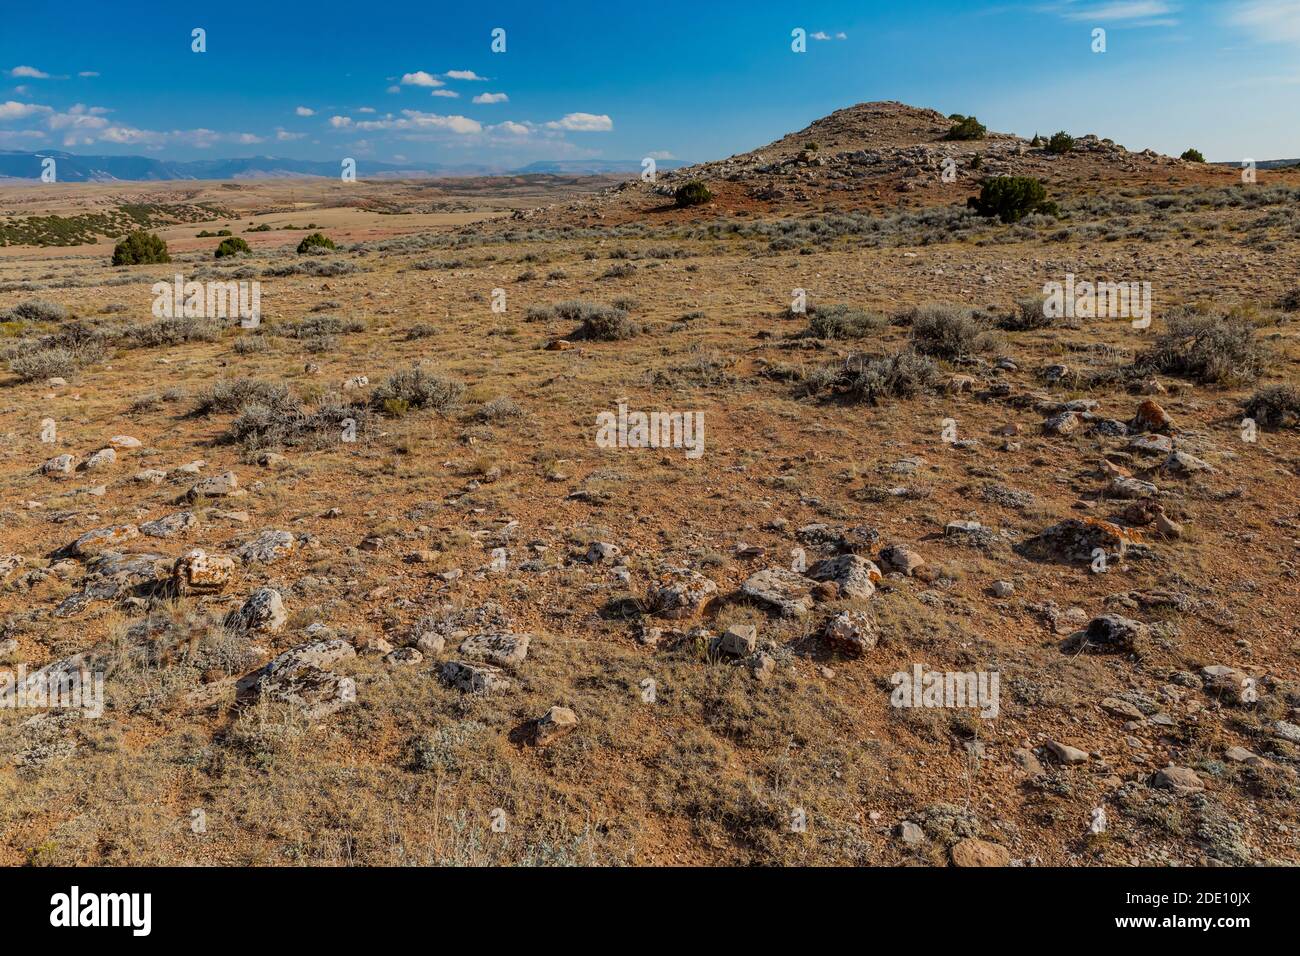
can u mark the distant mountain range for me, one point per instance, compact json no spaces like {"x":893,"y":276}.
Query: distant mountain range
{"x":70,"y":168}
{"x":1267,"y":163}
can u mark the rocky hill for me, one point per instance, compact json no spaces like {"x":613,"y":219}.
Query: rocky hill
{"x":881,"y":155}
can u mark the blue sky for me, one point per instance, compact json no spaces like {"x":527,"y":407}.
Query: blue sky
{"x":397,"y":81}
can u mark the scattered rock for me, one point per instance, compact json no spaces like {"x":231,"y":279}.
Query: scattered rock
{"x":215,"y":486}
{"x":170,"y":526}
{"x":196,"y":571}
{"x":1065,"y":753}
{"x":262,"y":612}
{"x":102,"y":539}
{"x":475,"y":678}
{"x":679,"y":593}
{"x":100,"y":459}
{"x":267,"y":548}
{"x":854,"y":632}
{"x":506,"y":650}
{"x":739,"y":640}
{"x":554,"y":724}
{"x":854,"y":575}
{"x":780,"y":589}
{"x":1181,"y":780}
{"x":900,"y":559}
{"x":974,"y":852}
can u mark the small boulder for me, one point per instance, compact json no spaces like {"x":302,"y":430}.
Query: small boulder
{"x":973,"y":852}
{"x":262,"y":612}
{"x":780,"y":589}
{"x":853,"y":632}
{"x":554,"y":724}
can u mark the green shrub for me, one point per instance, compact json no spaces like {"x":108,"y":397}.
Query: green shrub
{"x":231,"y":395}
{"x":947,"y":333}
{"x":418,"y":389}
{"x":314,"y":242}
{"x":140,"y":248}
{"x":967,"y":127}
{"x":842,"y":322}
{"x":1276,"y":406}
{"x":35,"y":310}
{"x":1029,"y":313}
{"x":694,"y":193}
{"x":231,"y":247}
{"x":171,"y":331}
{"x":1011,"y":198}
{"x":864,"y":378}
{"x":44,"y":363}
{"x":1060,"y":143}
{"x":1211,"y":349}
{"x":1193,"y":156}
{"x":601,"y":323}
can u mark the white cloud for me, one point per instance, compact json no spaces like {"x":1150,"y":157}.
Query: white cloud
{"x":583,"y":123}
{"x":661,"y":154}
{"x":14,"y":110}
{"x":88,"y":73}
{"x":366,"y":109}
{"x":29,"y":71}
{"x":411,"y":120}
{"x":284,"y":136}
{"x":248,"y":138}
{"x":17,"y":135}
{"x":79,"y":117}
{"x":129,"y":136}
{"x":518,"y":129}
{"x":305,"y":111}
{"x":823,"y":35}
{"x":491,"y":98}
{"x":464,"y":75}
{"x":421,"y":78}
{"x":447,"y":94}
{"x":1119,"y":10}
{"x":1275,"y":21}
{"x":393,"y":89}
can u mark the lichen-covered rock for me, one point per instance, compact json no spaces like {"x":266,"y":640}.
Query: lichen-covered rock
{"x":60,"y":466}
{"x":100,"y":459}
{"x":170,"y":526}
{"x":267,"y":548}
{"x":102,"y":539}
{"x":855,"y":575}
{"x":263,"y":611}
{"x":475,"y":678}
{"x":196,"y":571}
{"x":780,"y":589}
{"x":853,"y":632}
{"x":739,"y":640}
{"x":679,"y":593}
{"x":215,"y":486}
{"x":505,"y":650}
